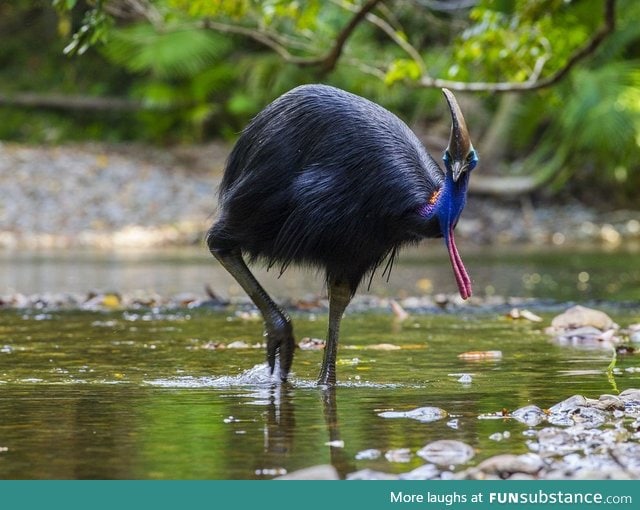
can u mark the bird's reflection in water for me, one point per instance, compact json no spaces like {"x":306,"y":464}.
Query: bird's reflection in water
{"x":339,"y":458}
{"x":280,"y":431}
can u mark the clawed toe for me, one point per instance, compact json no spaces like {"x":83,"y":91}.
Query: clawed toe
{"x":280,"y":343}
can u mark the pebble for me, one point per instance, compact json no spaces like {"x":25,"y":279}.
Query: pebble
{"x":529,"y":415}
{"x":424,"y":472}
{"x":371,"y":474}
{"x":129,"y":195}
{"x":400,"y":455}
{"x":321,"y":472}
{"x":370,"y":454}
{"x":465,"y":379}
{"x":447,"y":452}
{"x":140,"y":195}
{"x":505,"y":466}
{"x":421,"y":414}
{"x":581,"y":316}
{"x":584,"y":438}
{"x":586,"y":327}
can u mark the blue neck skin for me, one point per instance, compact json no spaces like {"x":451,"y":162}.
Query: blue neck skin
{"x":450,"y":202}
{"x":453,"y":200}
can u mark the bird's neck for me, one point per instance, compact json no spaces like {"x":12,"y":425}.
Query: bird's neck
{"x":454,"y":195}
{"x":449,"y":200}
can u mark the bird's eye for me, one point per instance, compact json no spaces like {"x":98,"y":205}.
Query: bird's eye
{"x":472,"y":160}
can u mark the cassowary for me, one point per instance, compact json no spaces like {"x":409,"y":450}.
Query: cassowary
{"x":324,"y":178}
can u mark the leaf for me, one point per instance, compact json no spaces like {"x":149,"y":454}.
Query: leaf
{"x":174,"y":53}
{"x":402,"y":69}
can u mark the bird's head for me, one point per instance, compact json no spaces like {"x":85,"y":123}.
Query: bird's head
{"x":447,"y":202}
{"x":459,"y":157}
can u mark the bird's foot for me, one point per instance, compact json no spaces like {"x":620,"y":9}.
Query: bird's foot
{"x":327,"y":378}
{"x":280,"y":343}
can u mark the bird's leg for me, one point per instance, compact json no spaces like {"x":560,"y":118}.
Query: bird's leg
{"x":279,"y":330}
{"x":340,"y":295}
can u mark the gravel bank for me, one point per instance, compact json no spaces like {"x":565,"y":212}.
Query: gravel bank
{"x":109,"y":196}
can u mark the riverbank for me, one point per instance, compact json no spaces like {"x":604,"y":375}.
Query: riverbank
{"x":120,"y":196}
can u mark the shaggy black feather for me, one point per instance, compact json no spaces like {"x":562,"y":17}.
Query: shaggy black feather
{"x":325,"y":178}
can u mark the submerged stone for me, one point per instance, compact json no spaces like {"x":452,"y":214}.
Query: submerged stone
{"x":609,"y":403}
{"x":505,"y":466}
{"x":568,"y":404}
{"x":370,"y":454}
{"x":400,"y":455}
{"x":530,"y":415}
{"x":421,"y":414}
{"x":580,"y":316}
{"x":425,"y":472}
{"x":371,"y":474}
{"x":447,"y":452}
{"x":320,"y":472}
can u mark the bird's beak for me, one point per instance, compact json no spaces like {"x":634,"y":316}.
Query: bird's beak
{"x":457,"y":168}
{"x":459,"y":141}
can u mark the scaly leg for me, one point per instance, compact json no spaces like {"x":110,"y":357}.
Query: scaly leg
{"x":340,"y":295}
{"x":277,"y":323}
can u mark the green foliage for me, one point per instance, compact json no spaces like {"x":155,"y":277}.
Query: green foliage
{"x":197,"y":82}
{"x":32,"y":60}
{"x":301,"y":15}
{"x":402,"y":69}
{"x":591,"y":136}
{"x":176,"y":53}
{"x":94,"y":29}
{"x":515,"y":43}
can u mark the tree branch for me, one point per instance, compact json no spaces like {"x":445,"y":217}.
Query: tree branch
{"x":83,"y":103}
{"x":329,"y":62}
{"x":392,"y":34}
{"x":534,"y":83}
{"x":326,"y":63}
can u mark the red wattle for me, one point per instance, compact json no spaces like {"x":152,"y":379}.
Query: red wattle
{"x":462,"y":277}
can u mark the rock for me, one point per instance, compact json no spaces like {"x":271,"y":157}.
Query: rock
{"x":580,"y":316}
{"x":425,"y":472}
{"x":609,"y":403}
{"x":529,"y":415}
{"x":447,"y":452}
{"x":401,"y":455}
{"x":506,"y":465}
{"x":480,"y":355}
{"x":370,"y":454}
{"x":630,"y":395}
{"x":589,"y":417}
{"x":311,"y":344}
{"x":421,"y":414}
{"x":568,"y":404}
{"x":578,"y":410}
{"x":634,"y":333}
{"x":588,"y":336}
{"x":517,"y":314}
{"x":552,"y":441}
{"x":238,"y":344}
{"x":628,"y":456}
{"x":320,"y":472}
{"x":370,"y":474}
{"x":584,"y":327}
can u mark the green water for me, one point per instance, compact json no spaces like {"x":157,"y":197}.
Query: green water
{"x":143,"y":394}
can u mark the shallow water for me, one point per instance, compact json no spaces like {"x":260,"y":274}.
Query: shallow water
{"x":148,"y":394}
{"x":560,"y":274}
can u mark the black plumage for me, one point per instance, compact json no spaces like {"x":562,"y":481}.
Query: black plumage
{"x":325,"y":178}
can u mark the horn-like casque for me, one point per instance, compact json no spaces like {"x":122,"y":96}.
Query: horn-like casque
{"x":459,"y":142}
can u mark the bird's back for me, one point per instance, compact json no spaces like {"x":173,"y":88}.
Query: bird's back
{"x":322,"y":176}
